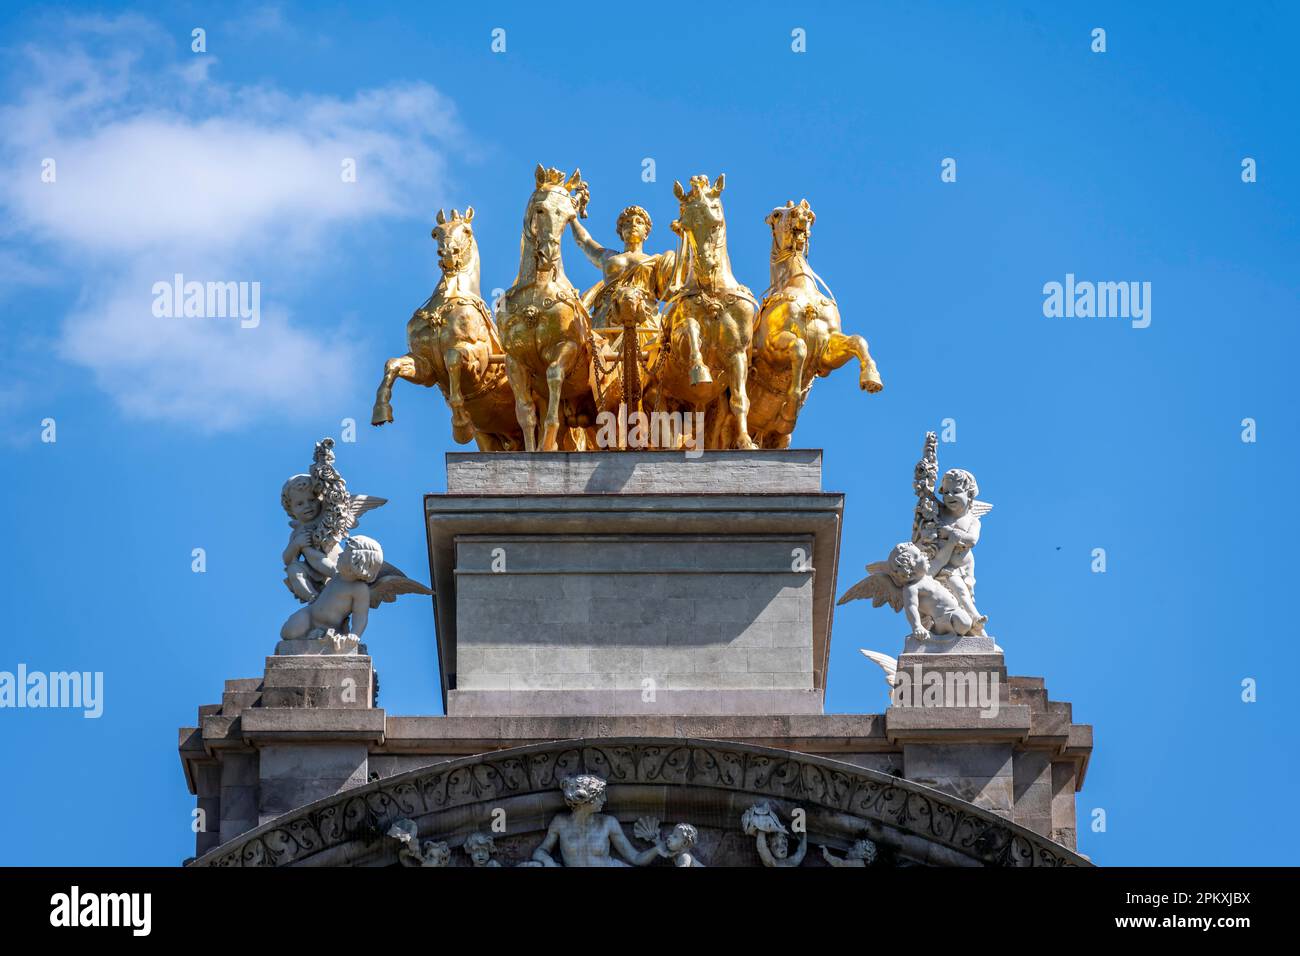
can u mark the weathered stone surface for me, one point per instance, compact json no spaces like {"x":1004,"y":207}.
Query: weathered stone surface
{"x":633,"y":472}
{"x":951,"y":644}
{"x":634,"y":619}
{"x":709,"y":783}
{"x":981,"y":774}
{"x":341,"y":681}
{"x":294,"y":775}
{"x":718,"y":593}
{"x":304,"y":723}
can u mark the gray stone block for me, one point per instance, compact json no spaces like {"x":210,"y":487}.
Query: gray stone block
{"x":633,"y":472}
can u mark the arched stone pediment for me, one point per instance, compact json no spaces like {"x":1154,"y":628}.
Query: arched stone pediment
{"x":703,"y":782}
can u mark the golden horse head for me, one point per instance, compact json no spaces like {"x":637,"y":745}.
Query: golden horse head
{"x":457,"y":250}
{"x":556,"y":201}
{"x":791,"y":228}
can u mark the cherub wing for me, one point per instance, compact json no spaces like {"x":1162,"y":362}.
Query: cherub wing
{"x":878,"y":586}
{"x":886,"y":663}
{"x":980,"y":508}
{"x":391,"y":584}
{"x":357,"y":506}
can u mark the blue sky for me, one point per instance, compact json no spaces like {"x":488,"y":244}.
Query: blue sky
{"x":1085,"y":433}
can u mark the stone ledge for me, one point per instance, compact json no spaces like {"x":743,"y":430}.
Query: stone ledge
{"x":993,"y":663}
{"x":634,"y":472}
{"x":840,"y":732}
{"x":608,"y":702}
{"x":1010,"y":723}
{"x":322,"y":725}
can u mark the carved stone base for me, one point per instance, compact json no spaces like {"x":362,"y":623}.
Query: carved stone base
{"x":951,"y":644}
{"x":634,"y":583}
{"x":318,"y":648}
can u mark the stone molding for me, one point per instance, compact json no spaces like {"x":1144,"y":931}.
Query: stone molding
{"x":349,"y":826}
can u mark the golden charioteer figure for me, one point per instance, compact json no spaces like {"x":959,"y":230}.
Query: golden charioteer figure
{"x":624,"y":305}
{"x":662,"y":338}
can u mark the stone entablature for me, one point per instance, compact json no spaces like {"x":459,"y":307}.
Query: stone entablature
{"x":299,"y":735}
{"x":556,"y":601}
{"x":707,"y":783}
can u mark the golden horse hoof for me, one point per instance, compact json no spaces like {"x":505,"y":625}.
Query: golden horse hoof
{"x":870,"y":381}
{"x":700,"y":375}
{"x":382,"y":415}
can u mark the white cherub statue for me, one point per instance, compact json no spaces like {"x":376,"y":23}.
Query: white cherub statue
{"x":957,"y":531}
{"x":362,"y":581}
{"x":904,"y":582}
{"x":932,"y":577}
{"x":321,"y":513}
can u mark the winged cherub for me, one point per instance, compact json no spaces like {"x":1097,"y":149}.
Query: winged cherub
{"x":905,"y":583}
{"x":957,"y":530}
{"x":362,"y":580}
{"x":321,"y":513}
{"x":946,"y":526}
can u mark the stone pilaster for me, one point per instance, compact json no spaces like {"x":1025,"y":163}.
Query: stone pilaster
{"x":302,"y":731}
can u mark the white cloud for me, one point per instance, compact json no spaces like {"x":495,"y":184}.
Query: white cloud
{"x":160,"y":170}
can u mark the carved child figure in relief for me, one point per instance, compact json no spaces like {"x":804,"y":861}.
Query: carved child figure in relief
{"x":585,"y":836}
{"x":479,"y":847}
{"x":678,"y":846}
{"x":411,"y":852}
{"x":773,"y":840}
{"x":862,"y":853}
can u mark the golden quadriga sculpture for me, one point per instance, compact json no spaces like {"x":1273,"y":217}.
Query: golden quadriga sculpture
{"x":662,"y":338}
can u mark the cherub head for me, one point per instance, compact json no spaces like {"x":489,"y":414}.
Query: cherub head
{"x":584,"y":792}
{"x":480,"y":847}
{"x":779,"y":844}
{"x":435,"y":853}
{"x":301,"y":498}
{"x":959,"y":490}
{"x":682,"y":838}
{"x":907,"y":564}
{"x":361,"y":560}
{"x":633,"y":224}
{"x":863,"y":850}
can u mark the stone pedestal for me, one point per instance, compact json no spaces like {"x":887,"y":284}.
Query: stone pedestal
{"x":618,"y":607}
{"x":634,"y":583}
{"x":999,"y":743}
{"x":301,"y":732}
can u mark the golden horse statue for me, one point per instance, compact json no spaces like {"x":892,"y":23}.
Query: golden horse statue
{"x":452,"y":342}
{"x":545,"y":329}
{"x":798,"y":335}
{"x":703,"y":360}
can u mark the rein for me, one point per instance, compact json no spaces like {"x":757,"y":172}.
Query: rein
{"x":808,"y":274}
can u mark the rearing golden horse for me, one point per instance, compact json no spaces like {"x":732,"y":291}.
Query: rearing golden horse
{"x":452,"y":341}
{"x":799,"y":335}
{"x":544,"y":327}
{"x":708,"y":323}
